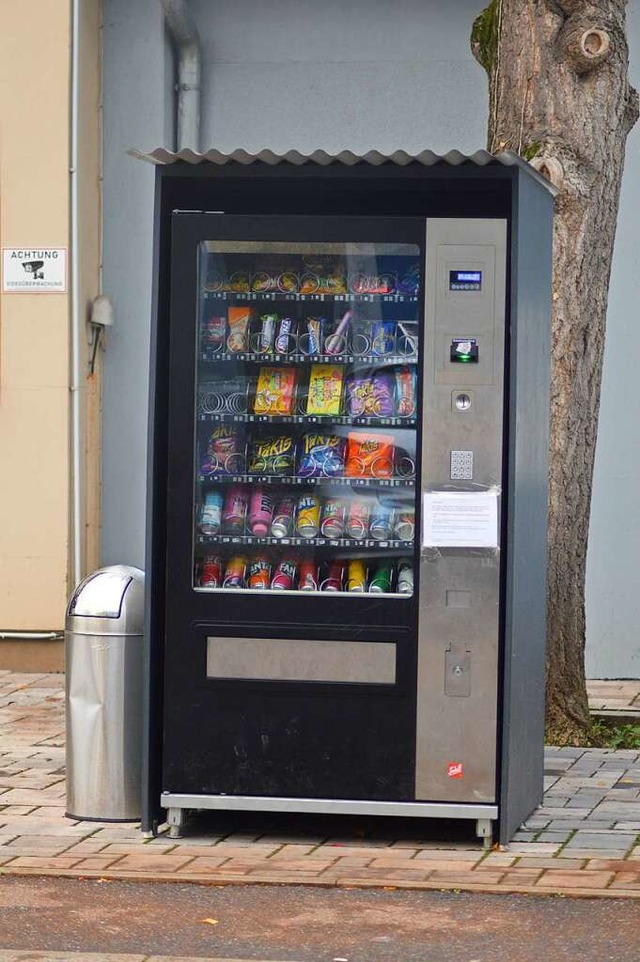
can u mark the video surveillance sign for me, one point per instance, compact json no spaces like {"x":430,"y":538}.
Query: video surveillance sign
{"x":34,"y":270}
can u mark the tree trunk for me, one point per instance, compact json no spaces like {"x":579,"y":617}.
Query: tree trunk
{"x":560,"y":97}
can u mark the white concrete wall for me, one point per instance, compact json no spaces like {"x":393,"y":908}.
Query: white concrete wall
{"x":359,"y":75}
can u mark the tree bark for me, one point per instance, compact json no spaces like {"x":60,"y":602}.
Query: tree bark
{"x":560,"y":97}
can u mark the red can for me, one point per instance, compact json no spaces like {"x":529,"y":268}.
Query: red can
{"x":333,"y":579}
{"x":308,"y":576}
{"x":334,"y":512}
{"x":211,"y":573}
{"x":285,"y":576}
{"x":259,"y":573}
{"x":358,"y":520}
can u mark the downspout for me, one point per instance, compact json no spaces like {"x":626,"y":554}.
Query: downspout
{"x":74,"y":286}
{"x":181,"y":26}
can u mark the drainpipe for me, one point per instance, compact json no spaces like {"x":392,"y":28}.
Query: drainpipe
{"x":74,"y":286}
{"x":184,"y":33}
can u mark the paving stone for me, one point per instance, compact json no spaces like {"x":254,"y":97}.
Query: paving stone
{"x":601,"y":840}
{"x":581,"y":879}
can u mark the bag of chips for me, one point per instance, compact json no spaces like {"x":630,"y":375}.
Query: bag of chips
{"x":238,"y":339}
{"x":369,"y":455}
{"x":272,"y":455}
{"x":321,"y":455}
{"x":225,"y":451}
{"x":325,"y":389}
{"x":275,"y":391}
{"x":370,"y":396}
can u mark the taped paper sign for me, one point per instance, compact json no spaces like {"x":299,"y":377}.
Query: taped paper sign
{"x":460,"y":519}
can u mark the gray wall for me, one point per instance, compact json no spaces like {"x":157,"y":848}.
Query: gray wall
{"x":360,"y":74}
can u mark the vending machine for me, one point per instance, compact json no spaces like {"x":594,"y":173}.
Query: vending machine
{"x":348,"y":493}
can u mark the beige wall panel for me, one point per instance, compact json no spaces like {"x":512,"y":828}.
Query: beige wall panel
{"x":35,"y":346}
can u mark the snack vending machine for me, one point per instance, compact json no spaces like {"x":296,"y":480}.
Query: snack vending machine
{"x":333,"y":491}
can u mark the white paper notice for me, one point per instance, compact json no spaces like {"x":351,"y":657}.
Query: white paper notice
{"x":460,"y":519}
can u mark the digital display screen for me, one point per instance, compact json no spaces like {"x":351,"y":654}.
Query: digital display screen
{"x":465,"y":280}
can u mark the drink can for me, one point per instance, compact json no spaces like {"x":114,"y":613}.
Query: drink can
{"x":211,"y":573}
{"x":381,"y":581}
{"x":259,"y":573}
{"x":308,"y":517}
{"x":356,"y":576}
{"x":267,"y":333}
{"x":260,"y":512}
{"x":308,"y":576}
{"x":358,"y":520}
{"x":211,"y":514}
{"x":381,"y":522}
{"x":405,"y":525}
{"x":333,"y":579}
{"x":333,"y":518}
{"x":282,"y":524}
{"x":285,"y":575}
{"x":234,"y":573}
{"x":405,"y":577}
{"x":234,"y":513}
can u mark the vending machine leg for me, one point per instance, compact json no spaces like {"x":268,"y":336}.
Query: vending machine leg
{"x":483,"y":831}
{"x":175,"y":821}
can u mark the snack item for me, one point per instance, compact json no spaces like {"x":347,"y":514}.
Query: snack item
{"x":308,"y":515}
{"x":285,"y":575}
{"x":235,"y":572}
{"x":370,"y":396}
{"x":336,"y":343}
{"x":260,"y":512}
{"x":286,"y":337}
{"x":356,"y":576}
{"x":333,"y":518}
{"x":405,"y":378}
{"x":259,"y":573}
{"x":213,"y":331}
{"x":325,"y":389}
{"x":288,"y":282}
{"x":225,"y":451}
{"x":238,"y":338}
{"x":322,"y":455}
{"x":282,"y":524}
{"x":369,"y":455}
{"x":211,"y":514}
{"x":211,"y":573}
{"x":312,"y":337}
{"x":383,"y":337}
{"x":410,"y":281}
{"x":234,"y":513}
{"x":239,"y":282}
{"x":261,"y":282}
{"x":263,"y":340}
{"x":275,"y":391}
{"x":272,"y":455}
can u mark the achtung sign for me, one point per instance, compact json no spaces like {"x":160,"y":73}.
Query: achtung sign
{"x":35,"y":270}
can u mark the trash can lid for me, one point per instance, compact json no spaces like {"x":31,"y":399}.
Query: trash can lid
{"x":112,"y":592}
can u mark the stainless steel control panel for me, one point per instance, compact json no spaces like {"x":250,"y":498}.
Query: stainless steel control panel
{"x":462,"y":452}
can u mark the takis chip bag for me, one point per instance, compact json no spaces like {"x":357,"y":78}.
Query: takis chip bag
{"x":370,"y":396}
{"x":322,"y":455}
{"x":225,"y":451}
{"x":369,"y":456}
{"x":272,"y":455}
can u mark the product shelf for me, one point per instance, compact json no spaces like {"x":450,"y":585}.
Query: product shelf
{"x":289,"y":481}
{"x":298,"y":542}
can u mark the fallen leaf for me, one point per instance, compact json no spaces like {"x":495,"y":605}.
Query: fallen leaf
{"x":210,"y":921}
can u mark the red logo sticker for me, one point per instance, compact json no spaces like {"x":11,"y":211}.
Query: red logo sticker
{"x":455,"y":770}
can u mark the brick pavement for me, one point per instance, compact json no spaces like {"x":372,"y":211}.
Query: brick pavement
{"x":583,"y":841}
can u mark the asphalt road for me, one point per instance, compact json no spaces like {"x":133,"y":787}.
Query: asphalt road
{"x":303,"y":924}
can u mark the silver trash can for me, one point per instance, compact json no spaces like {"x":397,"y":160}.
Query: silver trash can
{"x":103,"y":663}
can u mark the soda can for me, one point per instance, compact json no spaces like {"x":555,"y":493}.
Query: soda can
{"x":308,"y":576}
{"x":211,"y":573}
{"x":358,"y":520}
{"x":405,"y":525}
{"x":308,"y":517}
{"x":260,"y":512}
{"x":282,"y":524}
{"x":211,"y":514}
{"x":381,"y":581}
{"x":381,"y":525}
{"x":235,"y":572}
{"x":285,"y":575}
{"x":259,"y":573}
{"x":333,"y":518}
{"x":234,"y":513}
{"x":405,"y":577}
{"x":356,"y":576}
{"x":333,"y":580}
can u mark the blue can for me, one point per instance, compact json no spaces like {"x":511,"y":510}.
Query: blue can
{"x":211,"y":514}
{"x":381,"y":524}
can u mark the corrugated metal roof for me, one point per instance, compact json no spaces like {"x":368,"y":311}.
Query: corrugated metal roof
{"x":453,"y":158}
